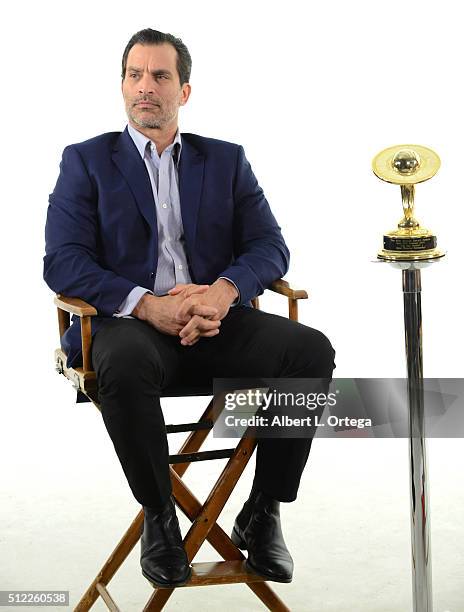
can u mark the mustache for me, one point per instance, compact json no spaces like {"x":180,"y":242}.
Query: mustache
{"x":146,"y":99}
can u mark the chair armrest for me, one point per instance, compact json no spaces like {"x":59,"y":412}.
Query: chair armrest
{"x":281,"y":286}
{"x":73,"y":305}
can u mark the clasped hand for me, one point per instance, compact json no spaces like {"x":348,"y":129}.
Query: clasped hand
{"x":189,"y":311}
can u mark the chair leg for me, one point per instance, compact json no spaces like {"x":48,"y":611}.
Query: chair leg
{"x":113,"y":563}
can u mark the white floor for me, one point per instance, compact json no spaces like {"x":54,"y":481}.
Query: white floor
{"x":64,"y":503}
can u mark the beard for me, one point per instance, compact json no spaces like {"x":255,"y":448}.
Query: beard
{"x":156,"y":118}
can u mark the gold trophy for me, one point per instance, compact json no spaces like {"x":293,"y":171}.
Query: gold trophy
{"x":407,"y":165}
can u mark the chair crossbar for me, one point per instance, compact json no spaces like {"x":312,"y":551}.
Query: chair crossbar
{"x":104,"y":594}
{"x":189,"y":426}
{"x":223,"y":453}
{"x":221,"y":572}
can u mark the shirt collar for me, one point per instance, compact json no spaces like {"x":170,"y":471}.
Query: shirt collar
{"x":141,"y":141}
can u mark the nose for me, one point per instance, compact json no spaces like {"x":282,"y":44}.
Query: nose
{"x":146,"y":84}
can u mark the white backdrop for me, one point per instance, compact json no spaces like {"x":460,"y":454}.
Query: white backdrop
{"x":312,"y":95}
{"x":313,"y":91}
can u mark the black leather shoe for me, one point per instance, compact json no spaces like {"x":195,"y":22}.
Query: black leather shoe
{"x":261,"y":535}
{"x":163,"y":558}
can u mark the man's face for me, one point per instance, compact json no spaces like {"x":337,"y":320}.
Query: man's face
{"x":151,"y":87}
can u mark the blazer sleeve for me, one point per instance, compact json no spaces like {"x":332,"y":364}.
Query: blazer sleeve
{"x":71,"y":265}
{"x":261,"y":255}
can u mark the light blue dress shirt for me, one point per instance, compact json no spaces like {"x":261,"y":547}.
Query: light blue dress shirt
{"x":172,"y":258}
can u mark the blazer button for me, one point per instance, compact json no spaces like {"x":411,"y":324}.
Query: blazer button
{"x":152,"y":275}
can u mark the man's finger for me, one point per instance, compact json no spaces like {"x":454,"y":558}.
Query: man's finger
{"x":190,"y":334}
{"x":183,"y":312}
{"x":199,"y":324}
{"x":192,"y":339}
{"x":178,"y":288}
{"x":195,"y":336}
{"x":205,"y":325}
{"x":189,"y":328}
{"x":203,"y":310}
{"x":210,"y":333}
{"x":190,"y":308}
{"x":188,"y":288}
{"x":185,"y":343}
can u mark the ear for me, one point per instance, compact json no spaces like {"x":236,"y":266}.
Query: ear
{"x":185,"y":93}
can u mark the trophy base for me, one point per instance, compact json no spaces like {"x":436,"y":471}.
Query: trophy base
{"x":405,"y":244}
{"x":387,"y":255}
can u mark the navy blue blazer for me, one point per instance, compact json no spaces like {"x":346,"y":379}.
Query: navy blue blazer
{"x":101,"y":231}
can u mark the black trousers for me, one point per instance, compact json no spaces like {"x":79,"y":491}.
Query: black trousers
{"x":134,"y":362}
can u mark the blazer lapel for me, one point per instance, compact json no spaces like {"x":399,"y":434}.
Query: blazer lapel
{"x":132,"y":167}
{"x":191,"y":168}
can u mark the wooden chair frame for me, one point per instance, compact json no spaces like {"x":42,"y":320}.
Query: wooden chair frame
{"x":203,"y":517}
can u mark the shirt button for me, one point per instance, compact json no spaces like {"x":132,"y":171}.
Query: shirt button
{"x":180,"y":266}
{"x":164,"y":205}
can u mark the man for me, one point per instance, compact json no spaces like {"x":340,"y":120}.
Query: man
{"x":169,"y":236}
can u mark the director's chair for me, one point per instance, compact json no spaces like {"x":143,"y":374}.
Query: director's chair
{"x":203,"y":517}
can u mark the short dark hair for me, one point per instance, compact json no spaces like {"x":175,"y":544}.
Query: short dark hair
{"x":154,"y":37}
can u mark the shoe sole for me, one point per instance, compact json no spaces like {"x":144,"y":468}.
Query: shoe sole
{"x":240,"y":543}
{"x":267,"y":576}
{"x":167,"y":585}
